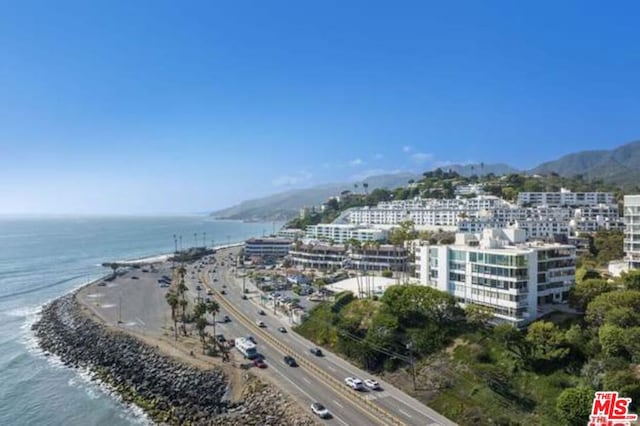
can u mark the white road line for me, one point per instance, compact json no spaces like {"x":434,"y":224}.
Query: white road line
{"x":309,"y":396}
{"x":331,"y":368}
{"x":337,"y":403}
{"x":140,"y":321}
{"x":306,"y":380}
{"x":405,"y":413}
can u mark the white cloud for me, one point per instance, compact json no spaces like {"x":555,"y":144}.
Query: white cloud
{"x":293,"y":179}
{"x":356,"y":162}
{"x":406,"y":148}
{"x":421,"y":157}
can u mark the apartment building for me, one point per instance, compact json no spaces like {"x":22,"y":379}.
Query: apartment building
{"x":318,"y":256}
{"x":378,"y":258}
{"x":341,"y":233}
{"x":498,"y":269}
{"x":565,"y":198}
{"x":291,"y":233}
{"x":632,"y":230}
{"x":267,"y":248}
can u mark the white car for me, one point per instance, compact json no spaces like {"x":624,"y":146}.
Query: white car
{"x":354,"y":383}
{"x":319,"y":410}
{"x":372,"y":384}
{"x":260,"y":323}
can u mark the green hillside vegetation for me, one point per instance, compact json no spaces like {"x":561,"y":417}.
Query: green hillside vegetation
{"x":476,"y":374}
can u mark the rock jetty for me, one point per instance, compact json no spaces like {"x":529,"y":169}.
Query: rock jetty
{"x":169,"y":392}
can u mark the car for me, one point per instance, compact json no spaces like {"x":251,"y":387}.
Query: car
{"x":223,"y":292}
{"x":220,"y":338}
{"x":198,"y":288}
{"x":282,"y":329}
{"x":354,"y":383}
{"x":209,"y":293}
{"x":144,"y":270}
{"x":261,"y":312}
{"x":320,"y":410}
{"x":260,"y":324}
{"x":316,"y":351}
{"x":164,"y":285}
{"x":244,"y":297}
{"x":226,"y":318}
{"x":134,"y":277}
{"x":258,"y":362}
{"x":224,"y":286}
{"x":372,"y":384}
{"x":290,"y":361}
{"x":215,"y":280}
{"x":252,"y":339}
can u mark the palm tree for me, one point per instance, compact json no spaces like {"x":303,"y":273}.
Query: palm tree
{"x":201,"y":325}
{"x":355,"y":187}
{"x":365,"y":185}
{"x":172,"y":300}
{"x":183,"y":304}
{"x":213,"y":308}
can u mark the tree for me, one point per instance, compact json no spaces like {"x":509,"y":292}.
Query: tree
{"x":585,"y":291}
{"x":573,"y":406}
{"x":201,"y":325}
{"x":415,"y":304}
{"x":612,"y":340}
{"x":387,"y":273}
{"x":547,"y":341}
{"x":615,"y":307}
{"x":584,"y":273}
{"x":631,"y":279}
{"x":404,"y":232}
{"x":172,"y":300}
{"x":478,"y":315}
{"x":213,"y":308}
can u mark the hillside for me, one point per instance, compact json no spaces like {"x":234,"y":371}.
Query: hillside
{"x":481,"y":169}
{"x":619,"y":166}
{"x":285,"y":205}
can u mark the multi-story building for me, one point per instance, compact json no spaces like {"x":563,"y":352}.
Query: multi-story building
{"x":291,"y":233}
{"x":565,"y":198}
{"x":374,"y":257}
{"x":267,"y":248}
{"x":471,"y":189}
{"x":318,"y":256}
{"x":499,"y":270}
{"x":632,"y":230}
{"x":341,"y":233}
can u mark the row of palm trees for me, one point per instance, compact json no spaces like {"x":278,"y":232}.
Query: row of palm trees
{"x":176,"y":298}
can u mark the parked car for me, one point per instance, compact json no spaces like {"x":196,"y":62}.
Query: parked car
{"x":258,"y":362}
{"x":282,"y":329}
{"x":260,"y":324}
{"x":320,"y":410}
{"x":244,"y":297}
{"x":226,"y":318}
{"x":134,"y":277}
{"x":209,"y":293}
{"x":372,"y":384}
{"x":223,"y":292}
{"x":102,"y":284}
{"x":220,"y":338}
{"x":316,"y":351}
{"x":198,"y":288}
{"x":290,"y":361}
{"x":251,"y":338}
{"x":261,"y":312}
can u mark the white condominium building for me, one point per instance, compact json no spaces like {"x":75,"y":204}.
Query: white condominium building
{"x":267,"y":247}
{"x":564,"y":198}
{"x":341,"y":233}
{"x":500,"y":271}
{"x":632,"y":230}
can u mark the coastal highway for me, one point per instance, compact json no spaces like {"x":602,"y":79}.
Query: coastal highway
{"x":401,"y":408}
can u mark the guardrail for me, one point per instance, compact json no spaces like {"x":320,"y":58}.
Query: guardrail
{"x":364,"y":404}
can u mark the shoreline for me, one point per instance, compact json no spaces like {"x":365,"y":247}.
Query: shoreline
{"x":142,"y":376}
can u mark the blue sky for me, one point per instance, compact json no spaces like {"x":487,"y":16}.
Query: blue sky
{"x":168,"y":107}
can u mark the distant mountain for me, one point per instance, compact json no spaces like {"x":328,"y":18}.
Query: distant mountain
{"x":619,"y":166}
{"x":285,"y":205}
{"x":481,"y":169}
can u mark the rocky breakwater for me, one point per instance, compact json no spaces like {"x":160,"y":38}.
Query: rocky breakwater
{"x":169,"y":391}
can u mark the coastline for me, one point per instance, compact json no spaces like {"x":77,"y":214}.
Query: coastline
{"x":145,"y":378}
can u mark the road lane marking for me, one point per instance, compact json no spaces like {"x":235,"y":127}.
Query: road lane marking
{"x":306,"y":380}
{"x":331,"y":368}
{"x":140,"y":321}
{"x":405,"y":413}
{"x":337,"y":403}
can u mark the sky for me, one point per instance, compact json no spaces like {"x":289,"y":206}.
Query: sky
{"x":146,"y":107}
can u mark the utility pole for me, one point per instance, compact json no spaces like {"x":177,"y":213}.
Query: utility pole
{"x":180,"y":242}
{"x":204,"y":239}
{"x":175,"y":244}
{"x":119,"y":308}
{"x":244,"y":277}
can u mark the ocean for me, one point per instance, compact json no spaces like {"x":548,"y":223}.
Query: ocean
{"x":44,"y":258}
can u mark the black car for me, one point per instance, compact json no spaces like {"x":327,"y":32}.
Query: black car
{"x":226,"y":318}
{"x":223,"y":292}
{"x":244,"y":297}
{"x":316,"y":351}
{"x":290,"y":361}
{"x":261,"y":312}
{"x":220,"y":338}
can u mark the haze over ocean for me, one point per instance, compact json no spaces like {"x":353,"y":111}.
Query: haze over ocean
{"x":44,"y":258}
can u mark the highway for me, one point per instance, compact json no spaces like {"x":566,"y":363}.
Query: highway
{"x":318,"y":378}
